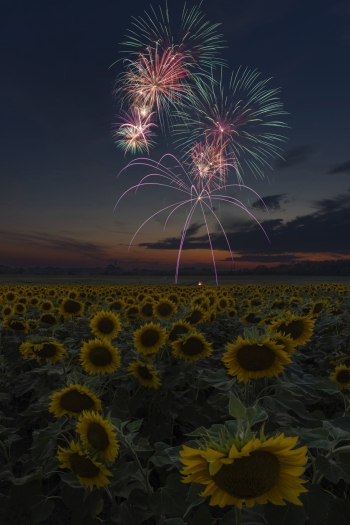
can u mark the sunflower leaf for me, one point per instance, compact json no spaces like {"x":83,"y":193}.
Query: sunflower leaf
{"x":236,"y":408}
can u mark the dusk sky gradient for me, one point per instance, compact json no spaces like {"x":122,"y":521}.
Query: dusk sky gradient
{"x":59,"y":165}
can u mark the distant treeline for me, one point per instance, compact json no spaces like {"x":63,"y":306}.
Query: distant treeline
{"x":340,"y":267}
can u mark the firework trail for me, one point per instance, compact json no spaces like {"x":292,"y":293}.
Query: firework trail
{"x":236,"y":119}
{"x":195,"y":196}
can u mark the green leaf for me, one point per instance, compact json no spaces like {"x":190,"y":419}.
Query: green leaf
{"x":41,"y":511}
{"x":171,"y":499}
{"x":328,"y":468}
{"x":236,"y":408}
{"x":134,"y":425}
{"x":289,"y":515}
{"x":315,"y":503}
{"x":202,"y":516}
{"x":193,"y":498}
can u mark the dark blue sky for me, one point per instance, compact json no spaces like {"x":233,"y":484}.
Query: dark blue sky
{"x":58,"y":163}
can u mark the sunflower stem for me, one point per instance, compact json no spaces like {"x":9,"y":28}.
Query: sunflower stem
{"x":64,"y":370}
{"x":247,"y":393}
{"x":238,"y":516}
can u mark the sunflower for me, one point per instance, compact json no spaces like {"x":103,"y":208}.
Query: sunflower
{"x":231,"y":313}
{"x":341,"y":374}
{"x":42,"y":348}
{"x":132,"y":313}
{"x":10,"y":296}
{"x":48,"y":319}
{"x":73,"y":400}
{"x":197,"y":315}
{"x":149,"y":338}
{"x":192,"y":347}
{"x":98,"y":434}
{"x":222,"y":304}
{"x":255,"y":358}
{"x":34,"y":301}
{"x":164,"y":309}
{"x":99,"y":356}
{"x":177,"y":329}
{"x":299,"y":328}
{"x":251,"y":318}
{"x":317,"y":308}
{"x":7,"y":311}
{"x":116,"y":305}
{"x":145,"y":374}
{"x":286,"y":341}
{"x":88,"y":471}
{"x":146,"y":309}
{"x":69,"y":307}
{"x":20,"y":308}
{"x":46,"y":306}
{"x":259,"y":472}
{"x":16,"y":323}
{"x":105,"y":324}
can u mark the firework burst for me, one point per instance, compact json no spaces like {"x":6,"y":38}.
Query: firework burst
{"x":237,"y":119}
{"x":134,"y":132}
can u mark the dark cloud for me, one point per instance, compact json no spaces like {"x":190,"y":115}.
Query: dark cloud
{"x":58,"y":243}
{"x":341,"y":168}
{"x":263,"y":258}
{"x":294,"y":156}
{"x":318,"y":232}
{"x":273,"y":202}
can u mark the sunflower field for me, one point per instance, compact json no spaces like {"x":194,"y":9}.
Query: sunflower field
{"x":175,"y":405}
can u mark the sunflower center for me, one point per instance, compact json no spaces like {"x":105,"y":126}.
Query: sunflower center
{"x":252,"y":318}
{"x":194,"y":317}
{"x":48,"y":319}
{"x":249,"y":477}
{"x":17,"y":325}
{"x":294,"y":328}
{"x":192,"y":346}
{"x":343,"y":376}
{"x":97,"y":436}
{"x":147,"y":310}
{"x":47,"y":350}
{"x":76,"y":401}
{"x":144,"y":373}
{"x":100,"y":356}
{"x":164,"y":309}
{"x":317,"y":308}
{"x":83,"y":466}
{"x":105,"y":325}
{"x":71,"y":307}
{"x":149,"y":338}
{"x":177,"y":330}
{"x":255,"y":357}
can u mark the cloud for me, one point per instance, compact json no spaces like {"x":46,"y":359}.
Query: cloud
{"x":341,"y":168}
{"x":294,"y":156}
{"x":318,"y":232}
{"x":272,"y":202}
{"x":263,"y":258}
{"x":45,"y":241}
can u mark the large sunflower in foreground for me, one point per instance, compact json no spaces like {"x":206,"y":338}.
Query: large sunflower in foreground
{"x":88,"y":471}
{"x":178,"y":329}
{"x":149,"y":338}
{"x":105,"y":324}
{"x":259,"y":472}
{"x":192,"y":347}
{"x":253,"y":359}
{"x":145,"y":374}
{"x":99,"y":357}
{"x":341,"y":374}
{"x":299,"y":328}
{"x":73,"y":400}
{"x":98,"y":434}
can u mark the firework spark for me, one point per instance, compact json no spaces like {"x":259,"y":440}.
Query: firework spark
{"x":197,"y":196}
{"x":134,"y":131}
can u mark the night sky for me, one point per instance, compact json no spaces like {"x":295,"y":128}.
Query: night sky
{"x":59,"y":165}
